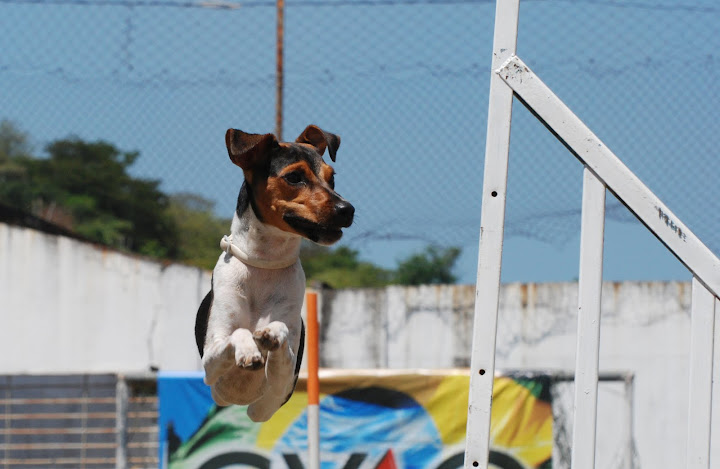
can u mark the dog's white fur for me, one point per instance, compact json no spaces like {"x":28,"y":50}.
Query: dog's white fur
{"x":255,"y":320}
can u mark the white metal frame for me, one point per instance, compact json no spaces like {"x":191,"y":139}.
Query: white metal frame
{"x":603,"y":170}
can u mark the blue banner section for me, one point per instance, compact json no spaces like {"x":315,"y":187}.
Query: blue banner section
{"x":184,"y":404}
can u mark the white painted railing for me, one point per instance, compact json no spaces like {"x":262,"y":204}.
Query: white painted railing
{"x":603,"y":170}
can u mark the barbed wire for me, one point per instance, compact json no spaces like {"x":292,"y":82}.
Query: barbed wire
{"x":230,"y":5}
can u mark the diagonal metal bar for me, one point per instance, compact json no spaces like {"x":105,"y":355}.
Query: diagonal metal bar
{"x":588,"y":148}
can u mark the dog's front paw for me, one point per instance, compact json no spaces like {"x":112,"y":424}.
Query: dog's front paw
{"x":271,"y":337}
{"x":250,"y":362}
{"x":247,"y":354}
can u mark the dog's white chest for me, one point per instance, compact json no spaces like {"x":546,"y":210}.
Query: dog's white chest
{"x":248,"y":294}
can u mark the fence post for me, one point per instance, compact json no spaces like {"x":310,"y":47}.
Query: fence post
{"x":702,"y":336}
{"x":121,"y":405}
{"x":492,"y":219}
{"x":588,"y":334}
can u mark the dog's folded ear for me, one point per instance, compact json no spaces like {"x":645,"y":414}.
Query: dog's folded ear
{"x":320,"y":139}
{"x":248,"y":150}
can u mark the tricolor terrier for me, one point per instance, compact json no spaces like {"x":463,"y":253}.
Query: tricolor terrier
{"x":248,"y":329}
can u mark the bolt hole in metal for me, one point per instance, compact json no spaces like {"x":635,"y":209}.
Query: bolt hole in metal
{"x":482,"y":372}
{"x":493,"y":193}
{"x":476,"y":464}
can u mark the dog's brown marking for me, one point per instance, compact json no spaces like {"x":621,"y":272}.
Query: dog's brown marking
{"x":301,"y":167}
{"x":327,"y":173}
{"x":265,"y":341}
{"x":311,"y":199}
{"x":252,"y":363}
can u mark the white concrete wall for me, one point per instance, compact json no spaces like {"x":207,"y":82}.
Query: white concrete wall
{"x":72,"y":307}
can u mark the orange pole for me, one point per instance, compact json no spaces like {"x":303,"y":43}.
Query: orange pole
{"x":313,"y":382}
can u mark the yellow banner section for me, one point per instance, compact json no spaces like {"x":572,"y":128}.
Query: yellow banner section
{"x":521,"y":420}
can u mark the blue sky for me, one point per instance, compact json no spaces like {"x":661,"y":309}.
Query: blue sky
{"x":405,"y":84}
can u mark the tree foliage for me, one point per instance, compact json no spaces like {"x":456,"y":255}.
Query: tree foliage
{"x":199,"y":229}
{"x":340,"y":268}
{"x":92,"y":181}
{"x":15,"y":151}
{"x":431,"y":266}
{"x":86,"y":187}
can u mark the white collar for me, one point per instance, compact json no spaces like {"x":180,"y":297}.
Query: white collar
{"x":227,"y":245}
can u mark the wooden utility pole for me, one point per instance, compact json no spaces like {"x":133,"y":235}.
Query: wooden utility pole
{"x":279,"y":70}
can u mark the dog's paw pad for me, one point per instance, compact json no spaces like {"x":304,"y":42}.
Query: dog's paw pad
{"x":252,"y":362}
{"x":266,"y":339}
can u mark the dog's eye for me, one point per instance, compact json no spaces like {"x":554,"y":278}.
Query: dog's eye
{"x":331,"y":182}
{"x":294,"y":178}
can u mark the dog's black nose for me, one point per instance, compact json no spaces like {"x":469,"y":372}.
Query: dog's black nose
{"x":344,"y":212}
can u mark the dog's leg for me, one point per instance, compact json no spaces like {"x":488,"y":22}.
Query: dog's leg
{"x":239,"y":349}
{"x":247,"y":353}
{"x":275,"y":340}
{"x":279,"y":371}
{"x":217,"y":359}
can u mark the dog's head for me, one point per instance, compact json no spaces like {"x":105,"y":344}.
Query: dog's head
{"x":289,"y":185}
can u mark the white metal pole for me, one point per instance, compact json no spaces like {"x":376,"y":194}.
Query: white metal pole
{"x":492,"y":223}
{"x":313,"y":416}
{"x":588,"y":335}
{"x":702,"y":336}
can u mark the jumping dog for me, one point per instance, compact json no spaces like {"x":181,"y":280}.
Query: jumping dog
{"x":248,"y":328}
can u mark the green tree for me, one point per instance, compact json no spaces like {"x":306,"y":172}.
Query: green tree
{"x":15,"y":152}
{"x":340,"y":268}
{"x":432,"y":266}
{"x":86,"y":187}
{"x":199,"y":230}
{"x":107,"y":204}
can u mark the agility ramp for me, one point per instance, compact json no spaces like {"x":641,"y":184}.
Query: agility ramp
{"x":602,"y":171}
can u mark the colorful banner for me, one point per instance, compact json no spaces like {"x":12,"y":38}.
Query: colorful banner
{"x":368,"y":420}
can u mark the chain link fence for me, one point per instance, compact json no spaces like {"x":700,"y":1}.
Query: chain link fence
{"x":405,"y":84}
